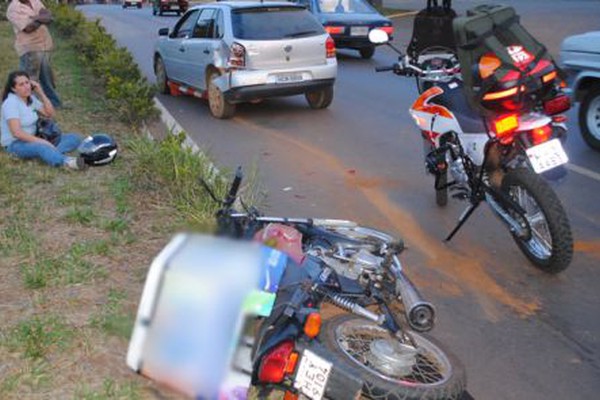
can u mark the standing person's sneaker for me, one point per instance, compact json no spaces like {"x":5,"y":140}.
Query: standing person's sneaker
{"x":75,"y":163}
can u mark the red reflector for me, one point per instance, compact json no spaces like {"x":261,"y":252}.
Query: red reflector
{"x":549,"y":77}
{"x":559,"y":118}
{"x":557,"y":105}
{"x":274,"y":364}
{"x":334,"y":30}
{"x":501,"y":94}
{"x":330,"y":48}
{"x":541,"y":135}
{"x":506,"y":125}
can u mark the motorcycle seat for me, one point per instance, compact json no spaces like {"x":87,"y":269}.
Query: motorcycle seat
{"x":455,"y":100}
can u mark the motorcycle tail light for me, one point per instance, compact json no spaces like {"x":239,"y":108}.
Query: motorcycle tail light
{"x":312,"y":325}
{"x":557,"y":105}
{"x":541,"y":135}
{"x":330,"y":48}
{"x":237,"y":56}
{"x":504,"y":126}
{"x":279,"y":361}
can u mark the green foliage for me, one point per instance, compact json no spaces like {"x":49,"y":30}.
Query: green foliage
{"x":36,"y":336}
{"x":111,"y":319}
{"x":110,"y":390}
{"x":67,"y":21}
{"x":132,"y":101}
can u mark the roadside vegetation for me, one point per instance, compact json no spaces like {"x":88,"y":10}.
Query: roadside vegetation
{"x":75,"y":246}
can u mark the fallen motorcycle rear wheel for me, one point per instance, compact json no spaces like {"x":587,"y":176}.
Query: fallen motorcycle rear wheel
{"x":436,"y":374}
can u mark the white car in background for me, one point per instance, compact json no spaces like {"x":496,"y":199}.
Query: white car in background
{"x":244,"y":51}
{"x":580,"y":57}
{"x":132,"y":3}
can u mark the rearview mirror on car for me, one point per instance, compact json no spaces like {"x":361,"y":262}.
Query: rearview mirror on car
{"x":378,"y":36}
{"x":163,"y":32}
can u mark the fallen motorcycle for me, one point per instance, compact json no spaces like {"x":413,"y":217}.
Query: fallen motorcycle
{"x":497,"y":157}
{"x":372,"y":352}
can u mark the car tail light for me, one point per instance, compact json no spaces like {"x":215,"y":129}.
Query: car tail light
{"x":237,"y":56}
{"x":387,"y":29}
{"x":541,"y":135}
{"x":504,"y":126}
{"x":330,"y":48}
{"x":278,"y":362}
{"x":334,"y":30}
{"x":557,"y":105}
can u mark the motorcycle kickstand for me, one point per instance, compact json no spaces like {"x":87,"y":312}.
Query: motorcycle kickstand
{"x":463,"y":218}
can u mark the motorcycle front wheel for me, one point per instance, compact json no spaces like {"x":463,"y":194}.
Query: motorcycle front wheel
{"x":356,"y":345}
{"x":549,"y":246}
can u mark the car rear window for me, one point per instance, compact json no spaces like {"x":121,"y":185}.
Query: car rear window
{"x":272,"y":23}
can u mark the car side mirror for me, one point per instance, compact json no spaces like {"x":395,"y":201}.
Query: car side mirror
{"x":163,"y":32}
{"x":378,"y":36}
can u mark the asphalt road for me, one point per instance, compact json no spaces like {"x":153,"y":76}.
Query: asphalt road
{"x":520,"y":333}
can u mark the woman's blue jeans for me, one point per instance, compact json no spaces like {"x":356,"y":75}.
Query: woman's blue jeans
{"x":49,"y":154}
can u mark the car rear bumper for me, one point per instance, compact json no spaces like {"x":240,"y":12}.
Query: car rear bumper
{"x":246,"y":93}
{"x":352,"y":42}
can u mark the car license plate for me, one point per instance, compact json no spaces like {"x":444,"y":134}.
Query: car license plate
{"x":547,"y":155}
{"x":359,"y":31}
{"x":289,"y":78}
{"x":312,"y":375}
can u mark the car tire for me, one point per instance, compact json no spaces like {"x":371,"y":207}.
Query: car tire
{"x":589,"y":118}
{"x":162,"y":80}
{"x":367,"y":52}
{"x":139,"y":5}
{"x":124,"y":6}
{"x":153,"y":11}
{"x":219,"y":107}
{"x":320,"y":99}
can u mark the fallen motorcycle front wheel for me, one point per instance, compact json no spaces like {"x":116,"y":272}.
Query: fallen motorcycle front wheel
{"x":389,"y":369}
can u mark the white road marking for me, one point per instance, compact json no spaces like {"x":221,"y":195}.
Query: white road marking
{"x":583,"y":171}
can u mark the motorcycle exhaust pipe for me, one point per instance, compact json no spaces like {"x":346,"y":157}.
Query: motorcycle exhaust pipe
{"x":419,"y":313}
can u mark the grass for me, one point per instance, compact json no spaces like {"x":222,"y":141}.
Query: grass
{"x":75,"y":246}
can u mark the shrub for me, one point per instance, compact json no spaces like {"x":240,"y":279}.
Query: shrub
{"x":67,"y":20}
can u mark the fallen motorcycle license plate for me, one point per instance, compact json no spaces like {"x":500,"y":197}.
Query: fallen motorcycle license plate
{"x":312,"y":375}
{"x":359,"y":31}
{"x":546,"y":156}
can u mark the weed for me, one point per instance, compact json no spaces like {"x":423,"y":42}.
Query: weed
{"x":110,"y":390}
{"x":121,"y":188}
{"x":111,"y":319}
{"x":37,"y":336}
{"x":82,"y":216}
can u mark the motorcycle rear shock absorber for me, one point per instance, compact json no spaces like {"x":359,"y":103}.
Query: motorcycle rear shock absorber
{"x":348,"y":305}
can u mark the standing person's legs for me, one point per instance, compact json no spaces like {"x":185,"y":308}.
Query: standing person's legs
{"x":31,"y":63}
{"x":47,"y":79}
{"x":47,"y":153}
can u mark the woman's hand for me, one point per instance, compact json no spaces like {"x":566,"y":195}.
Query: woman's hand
{"x":35,"y":87}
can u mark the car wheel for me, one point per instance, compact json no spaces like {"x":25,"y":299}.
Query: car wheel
{"x":139,"y":5}
{"x":162,"y":81}
{"x":153,"y":11}
{"x":219,"y":107}
{"x":367,"y":52}
{"x":124,"y":6}
{"x":320,"y":99}
{"x":589,"y":118}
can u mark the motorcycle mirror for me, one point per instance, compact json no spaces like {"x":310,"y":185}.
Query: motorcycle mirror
{"x":377,"y":36}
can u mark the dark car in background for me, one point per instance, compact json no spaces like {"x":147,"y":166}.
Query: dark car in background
{"x":580,"y":57}
{"x":175,"y":6}
{"x":349,"y":22}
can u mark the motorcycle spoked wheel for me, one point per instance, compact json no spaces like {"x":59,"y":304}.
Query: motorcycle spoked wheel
{"x":436,"y":374}
{"x":550,"y":243}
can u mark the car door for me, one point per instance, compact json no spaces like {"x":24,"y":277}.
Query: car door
{"x":202,"y":47}
{"x":174,"y":51}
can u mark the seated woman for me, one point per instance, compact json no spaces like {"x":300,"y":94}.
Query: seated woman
{"x":22,"y":100}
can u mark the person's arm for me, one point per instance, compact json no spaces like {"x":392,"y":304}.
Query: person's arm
{"x":45,"y":108}
{"x":14,"y":124}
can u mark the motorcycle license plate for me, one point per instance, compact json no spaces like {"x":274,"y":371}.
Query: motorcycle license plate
{"x":312,"y":375}
{"x":547,"y":155}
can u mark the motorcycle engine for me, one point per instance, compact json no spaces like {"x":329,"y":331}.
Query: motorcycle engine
{"x":351,"y":263}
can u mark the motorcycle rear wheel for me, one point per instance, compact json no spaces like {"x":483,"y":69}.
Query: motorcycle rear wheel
{"x":550,"y":245}
{"x":436,"y":375}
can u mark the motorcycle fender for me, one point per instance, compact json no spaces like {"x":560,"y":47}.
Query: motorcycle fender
{"x":341,"y":384}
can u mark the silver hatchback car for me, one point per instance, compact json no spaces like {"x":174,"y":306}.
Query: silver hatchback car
{"x":233,"y":52}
